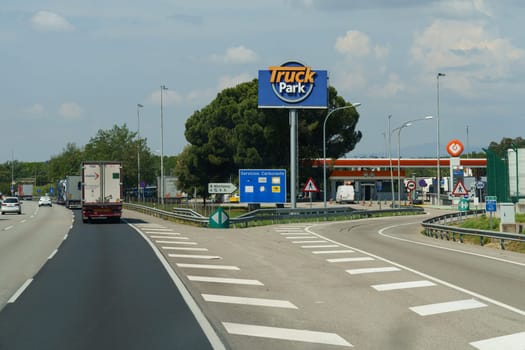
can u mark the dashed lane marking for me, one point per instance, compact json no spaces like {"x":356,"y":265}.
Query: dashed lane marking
{"x":207,"y":266}
{"x":302,"y":242}
{"x":163,"y":233}
{"x":358,"y":258}
{"x":514,"y":341}
{"x":20,"y":291}
{"x":187,"y":249}
{"x":225,"y":280}
{"x":190,"y":256}
{"x":441,"y":308}
{"x":333,"y":251}
{"x":320,"y":246}
{"x":176,"y":242}
{"x":403,"y":285}
{"x":373,"y":270}
{"x":248,"y":301}
{"x":285,"y":334}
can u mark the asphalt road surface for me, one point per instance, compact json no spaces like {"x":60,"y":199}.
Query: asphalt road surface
{"x":367,"y":284}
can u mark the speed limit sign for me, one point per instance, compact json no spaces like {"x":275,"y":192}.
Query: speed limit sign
{"x":411,"y":185}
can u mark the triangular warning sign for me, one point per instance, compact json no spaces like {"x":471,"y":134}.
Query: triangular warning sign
{"x":310,"y":186}
{"x":459,"y":189}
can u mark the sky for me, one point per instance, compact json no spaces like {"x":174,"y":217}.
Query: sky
{"x":70,"y":68}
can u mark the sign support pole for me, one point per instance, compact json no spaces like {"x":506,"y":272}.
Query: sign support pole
{"x":293,"y":157}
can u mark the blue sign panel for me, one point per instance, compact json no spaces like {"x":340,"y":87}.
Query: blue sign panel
{"x":293,"y":85}
{"x":262,"y":186}
{"x":490,"y":204}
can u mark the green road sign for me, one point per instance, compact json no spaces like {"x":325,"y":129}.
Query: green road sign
{"x":219,"y":219}
{"x":463,"y":204}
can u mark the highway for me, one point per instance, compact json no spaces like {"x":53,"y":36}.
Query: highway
{"x":367,"y":284}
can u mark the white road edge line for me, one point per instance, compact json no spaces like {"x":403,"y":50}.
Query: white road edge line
{"x":52,"y":254}
{"x":382,"y":233}
{"x":285,"y":334}
{"x":20,"y":291}
{"x":65,"y":236}
{"x":227,"y":299}
{"x":424,"y":275}
{"x":212,"y":336}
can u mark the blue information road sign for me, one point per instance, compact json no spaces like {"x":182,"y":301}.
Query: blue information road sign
{"x":262,"y":186}
{"x":490,"y":204}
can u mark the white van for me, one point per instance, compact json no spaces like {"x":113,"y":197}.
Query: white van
{"x":345,"y":194}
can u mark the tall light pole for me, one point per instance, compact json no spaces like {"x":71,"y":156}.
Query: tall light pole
{"x":352,"y":105}
{"x":390,"y":157}
{"x":398,"y":129}
{"x":438,"y":147}
{"x":515,"y":149}
{"x":139,"y":106}
{"x":162,"y":88}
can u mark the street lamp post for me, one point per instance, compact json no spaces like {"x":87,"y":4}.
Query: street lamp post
{"x":515,"y":149}
{"x":390,"y":160}
{"x":139,"y":106}
{"x":438,"y":146}
{"x":398,"y":129}
{"x":352,"y":105}
{"x":162,"y":88}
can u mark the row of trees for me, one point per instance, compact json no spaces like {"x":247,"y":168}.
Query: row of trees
{"x":228,"y":134}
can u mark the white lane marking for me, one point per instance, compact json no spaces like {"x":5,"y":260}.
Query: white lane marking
{"x":514,"y":341}
{"x":225,"y":280}
{"x":441,"y":308}
{"x":177,"y":242}
{"x":300,"y":233}
{"x":248,"y":301}
{"x":333,"y":251}
{"x":358,"y":258}
{"x":381,"y":232}
{"x":320,"y":246}
{"x":424,"y":275}
{"x":302,"y":242}
{"x":285,"y":334}
{"x":402,"y":285}
{"x":166,"y":237}
{"x":299,"y":237}
{"x":189,"y":256}
{"x":186,"y":248}
{"x":52,"y":254}
{"x":20,"y":291}
{"x":8,"y":228}
{"x":206,"y":327}
{"x":65,"y":236}
{"x":163,"y":233}
{"x":23,"y":221}
{"x":158,"y":229}
{"x":373,"y":270}
{"x":207,"y":266}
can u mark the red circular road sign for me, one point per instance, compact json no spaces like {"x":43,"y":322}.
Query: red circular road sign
{"x":455,"y":148}
{"x":411,"y":185}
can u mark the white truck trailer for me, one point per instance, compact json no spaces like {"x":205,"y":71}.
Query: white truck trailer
{"x":101,"y":190}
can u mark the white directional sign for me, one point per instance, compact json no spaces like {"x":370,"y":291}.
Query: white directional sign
{"x":221,"y":187}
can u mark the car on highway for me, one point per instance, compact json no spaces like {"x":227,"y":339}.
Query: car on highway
{"x":11,"y":205}
{"x":45,"y":200}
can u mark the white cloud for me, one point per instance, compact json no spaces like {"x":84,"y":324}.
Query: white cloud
{"x":35,"y":110}
{"x":231,"y":81}
{"x":353,"y":43}
{"x":467,"y":50}
{"x":50,"y":21}
{"x":236,"y":55}
{"x":391,"y":88}
{"x":70,"y":111}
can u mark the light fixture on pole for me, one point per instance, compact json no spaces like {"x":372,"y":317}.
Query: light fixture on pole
{"x":139,"y":106}
{"x":162,"y":88}
{"x":351,"y":105}
{"x":438,"y":146}
{"x":398,"y":129}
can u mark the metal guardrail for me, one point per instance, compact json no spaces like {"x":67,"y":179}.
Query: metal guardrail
{"x":437,"y":227}
{"x":274,"y":215}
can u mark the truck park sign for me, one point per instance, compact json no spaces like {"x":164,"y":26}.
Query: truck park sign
{"x":293,"y":85}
